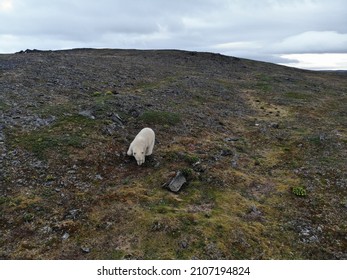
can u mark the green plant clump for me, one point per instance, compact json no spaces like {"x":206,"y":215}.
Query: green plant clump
{"x":160,"y":117}
{"x":299,"y":191}
{"x":187,"y":172}
{"x":192,"y":159}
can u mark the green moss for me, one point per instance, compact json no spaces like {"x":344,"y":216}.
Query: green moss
{"x":47,"y":192}
{"x":314,"y":139}
{"x":4,"y":200}
{"x":160,"y":117}
{"x":187,"y":172}
{"x":102,"y":101}
{"x":40,"y":143}
{"x":191,"y":159}
{"x":56,"y":110}
{"x":28,"y":217}
{"x":68,"y":132}
{"x":50,"y":177}
{"x":172,"y":155}
{"x":114,"y":255}
{"x":264,"y":82}
{"x":296,"y":95}
{"x":3,"y":106}
{"x":155,"y":84}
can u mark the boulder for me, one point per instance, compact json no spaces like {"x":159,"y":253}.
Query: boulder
{"x":176,"y":183}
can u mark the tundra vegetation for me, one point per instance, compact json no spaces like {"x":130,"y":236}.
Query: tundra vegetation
{"x":262,"y":148}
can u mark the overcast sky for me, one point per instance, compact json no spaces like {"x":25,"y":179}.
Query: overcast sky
{"x":309,"y":34}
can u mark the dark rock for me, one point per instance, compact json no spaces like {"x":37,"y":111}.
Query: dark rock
{"x":36,"y":121}
{"x":225,"y":153}
{"x":158,"y":226}
{"x":135,"y":113}
{"x":254,"y":214}
{"x":307,"y":232}
{"x":117,"y":120}
{"x":72,"y":214}
{"x":231,"y":139}
{"x":275,"y":125}
{"x":199,"y":167}
{"x":109,"y":130}
{"x":184,"y":244}
{"x":46,"y":230}
{"x":213,"y":252}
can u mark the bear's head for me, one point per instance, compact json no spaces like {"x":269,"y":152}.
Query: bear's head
{"x":139,"y":154}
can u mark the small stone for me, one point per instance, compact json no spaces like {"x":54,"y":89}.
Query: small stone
{"x":98,"y":177}
{"x":65,"y":236}
{"x":46,"y":229}
{"x":117,"y":119}
{"x":275,"y":125}
{"x":231,"y":139}
{"x":184,"y":244}
{"x":72,"y":214}
{"x":225,"y":153}
{"x":199,"y":168}
{"x":135,"y":113}
{"x":85,"y":249}
{"x":109,"y":130}
{"x":158,"y":226}
{"x":87,"y":114}
{"x":313,"y":239}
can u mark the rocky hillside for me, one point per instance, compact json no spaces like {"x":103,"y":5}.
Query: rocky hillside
{"x":262,"y":147}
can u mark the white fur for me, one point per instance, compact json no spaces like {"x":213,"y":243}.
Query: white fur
{"x":142,"y":145}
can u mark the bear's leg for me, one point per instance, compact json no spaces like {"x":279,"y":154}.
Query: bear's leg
{"x":150,"y":149}
{"x":130,"y":151}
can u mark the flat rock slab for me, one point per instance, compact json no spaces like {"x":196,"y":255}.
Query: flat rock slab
{"x":176,"y":183}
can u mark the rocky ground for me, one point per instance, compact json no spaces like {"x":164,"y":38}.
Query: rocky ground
{"x":262,"y":148}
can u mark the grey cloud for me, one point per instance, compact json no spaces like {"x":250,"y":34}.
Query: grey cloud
{"x":313,"y":42}
{"x":262,"y":29}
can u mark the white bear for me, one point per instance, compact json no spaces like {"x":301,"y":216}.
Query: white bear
{"x":142,"y":145}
